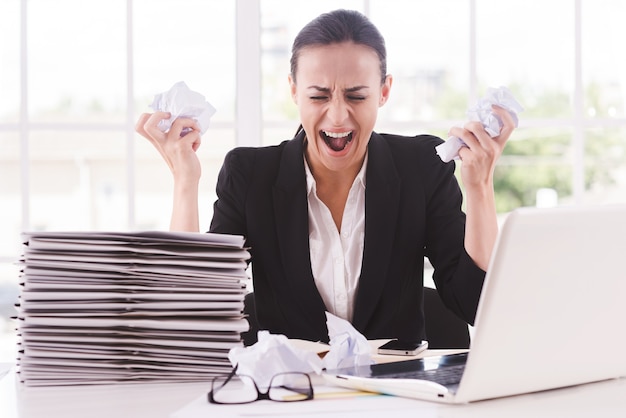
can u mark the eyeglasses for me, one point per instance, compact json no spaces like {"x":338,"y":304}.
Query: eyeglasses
{"x":283,"y":387}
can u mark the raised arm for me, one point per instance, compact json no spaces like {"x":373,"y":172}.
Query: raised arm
{"x":478,"y":163}
{"x":179,"y":152}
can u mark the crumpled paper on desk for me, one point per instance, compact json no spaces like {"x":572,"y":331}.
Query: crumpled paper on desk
{"x":273,"y":354}
{"x":348,"y":347}
{"x":180,"y":101}
{"x":483,"y":112}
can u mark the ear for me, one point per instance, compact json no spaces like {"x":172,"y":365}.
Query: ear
{"x":385,"y":90}
{"x":294,"y":88}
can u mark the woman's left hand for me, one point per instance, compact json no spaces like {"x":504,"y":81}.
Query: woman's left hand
{"x":482,"y":152}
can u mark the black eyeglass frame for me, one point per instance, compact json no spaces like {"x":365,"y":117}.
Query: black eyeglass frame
{"x":260,"y":395}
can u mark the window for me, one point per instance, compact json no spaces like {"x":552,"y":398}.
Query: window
{"x":72,"y":89}
{"x":73,"y":86}
{"x":560,"y":58}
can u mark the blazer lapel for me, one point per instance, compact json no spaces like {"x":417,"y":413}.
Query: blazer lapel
{"x":292,"y":228}
{"x":381,"y":212}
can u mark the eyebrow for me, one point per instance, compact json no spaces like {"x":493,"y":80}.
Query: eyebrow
{"x":348,"y":90}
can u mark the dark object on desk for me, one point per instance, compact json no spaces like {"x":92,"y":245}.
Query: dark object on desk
{"x":443,"y":328}
{"x":402,"y":348}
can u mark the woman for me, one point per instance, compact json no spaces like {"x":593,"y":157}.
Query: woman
{"x":339,"y":218}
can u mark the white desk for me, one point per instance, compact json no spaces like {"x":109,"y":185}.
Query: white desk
{"x":603,"y":399}
{"x":111,"y":401}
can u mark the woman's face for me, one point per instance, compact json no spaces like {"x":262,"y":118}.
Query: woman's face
{"x":338,"y":93}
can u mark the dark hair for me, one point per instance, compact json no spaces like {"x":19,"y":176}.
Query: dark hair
{"x":336,"y":27}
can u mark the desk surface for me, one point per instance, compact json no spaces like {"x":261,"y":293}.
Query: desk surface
{"x":188,"y":400}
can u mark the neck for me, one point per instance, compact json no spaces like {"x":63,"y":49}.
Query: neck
{"x":331,"y":178}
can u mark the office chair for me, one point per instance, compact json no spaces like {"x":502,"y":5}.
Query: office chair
{"x":250,"y":337}
{"x":443,"y":328}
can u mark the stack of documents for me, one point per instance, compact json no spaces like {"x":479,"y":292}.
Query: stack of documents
{"x":129,"y":307}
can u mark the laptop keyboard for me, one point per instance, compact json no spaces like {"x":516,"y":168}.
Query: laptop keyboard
{"x":445,"y":376}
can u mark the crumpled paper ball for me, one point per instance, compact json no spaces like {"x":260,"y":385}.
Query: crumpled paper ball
{"x":180,"y":101}
{"x":482,"y":112}
{"x":273,"y":354}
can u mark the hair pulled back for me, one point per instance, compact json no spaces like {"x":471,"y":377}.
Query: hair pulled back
{"x":336,"y":27}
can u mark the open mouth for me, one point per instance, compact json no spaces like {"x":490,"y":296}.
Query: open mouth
{"x":337,"y":141}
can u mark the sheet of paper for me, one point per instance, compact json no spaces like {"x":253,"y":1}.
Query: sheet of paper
{"x":328,"y":401}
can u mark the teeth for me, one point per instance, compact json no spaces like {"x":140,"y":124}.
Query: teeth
{"x":337,"y":134}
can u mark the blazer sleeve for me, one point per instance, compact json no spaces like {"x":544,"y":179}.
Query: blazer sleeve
{"x":458,"y":279}
{"x":233,"y":182}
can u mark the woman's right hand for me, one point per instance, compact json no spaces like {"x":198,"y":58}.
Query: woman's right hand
{"x":179,"y":152}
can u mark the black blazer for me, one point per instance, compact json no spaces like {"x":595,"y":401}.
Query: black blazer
{"x":412,"y":209}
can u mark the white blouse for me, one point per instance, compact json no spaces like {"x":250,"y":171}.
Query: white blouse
{"x":336,"y":257}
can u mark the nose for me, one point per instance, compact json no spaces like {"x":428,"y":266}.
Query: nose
{"x":337,"y":111}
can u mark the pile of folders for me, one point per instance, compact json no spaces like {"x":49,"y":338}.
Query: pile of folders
{"x":98,"y":308}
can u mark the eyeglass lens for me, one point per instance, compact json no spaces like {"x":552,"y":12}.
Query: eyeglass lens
{"x":285,"y":387}
{"x":290,"y":387}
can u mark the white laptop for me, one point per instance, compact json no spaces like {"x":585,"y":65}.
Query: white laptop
{"x":551,"y":314}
